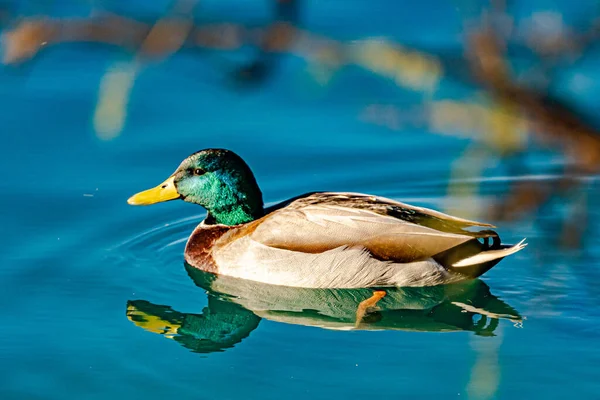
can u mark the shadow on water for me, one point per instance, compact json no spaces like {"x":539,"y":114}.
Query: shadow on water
{"x":235,"y":308}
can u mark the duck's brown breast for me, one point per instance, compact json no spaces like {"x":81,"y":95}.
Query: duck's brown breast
{"x":199,"y":246}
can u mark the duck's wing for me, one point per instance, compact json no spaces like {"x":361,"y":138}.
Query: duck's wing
{"x":389,"y":230}
{"x":388,"y":207}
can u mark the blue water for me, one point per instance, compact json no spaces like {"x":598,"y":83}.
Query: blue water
{"x":83,"y":275}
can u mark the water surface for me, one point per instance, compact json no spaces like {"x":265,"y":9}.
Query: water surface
{"x":97,"y":302}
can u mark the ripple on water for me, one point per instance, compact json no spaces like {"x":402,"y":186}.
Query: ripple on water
{"x":154,"y":257}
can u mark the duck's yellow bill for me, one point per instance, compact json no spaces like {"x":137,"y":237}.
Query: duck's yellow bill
{"x":164,"y":192}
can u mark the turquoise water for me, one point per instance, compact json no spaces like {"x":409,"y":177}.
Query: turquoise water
{"x":97,"y":302}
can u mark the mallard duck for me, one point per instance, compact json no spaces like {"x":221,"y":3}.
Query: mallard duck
{"x":320,"y":239}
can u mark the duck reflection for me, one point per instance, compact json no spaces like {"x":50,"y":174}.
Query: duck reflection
{"x":235,"y":308}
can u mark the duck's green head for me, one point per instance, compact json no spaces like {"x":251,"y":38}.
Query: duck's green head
{"x":218,"y":180}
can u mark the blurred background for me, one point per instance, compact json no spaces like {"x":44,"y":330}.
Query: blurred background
{"x":483,"y":109}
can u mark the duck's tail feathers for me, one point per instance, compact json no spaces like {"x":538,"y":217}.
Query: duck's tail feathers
{"x":489,"y":255}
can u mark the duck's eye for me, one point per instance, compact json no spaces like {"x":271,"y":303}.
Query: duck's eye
{"x":199,"y":171}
